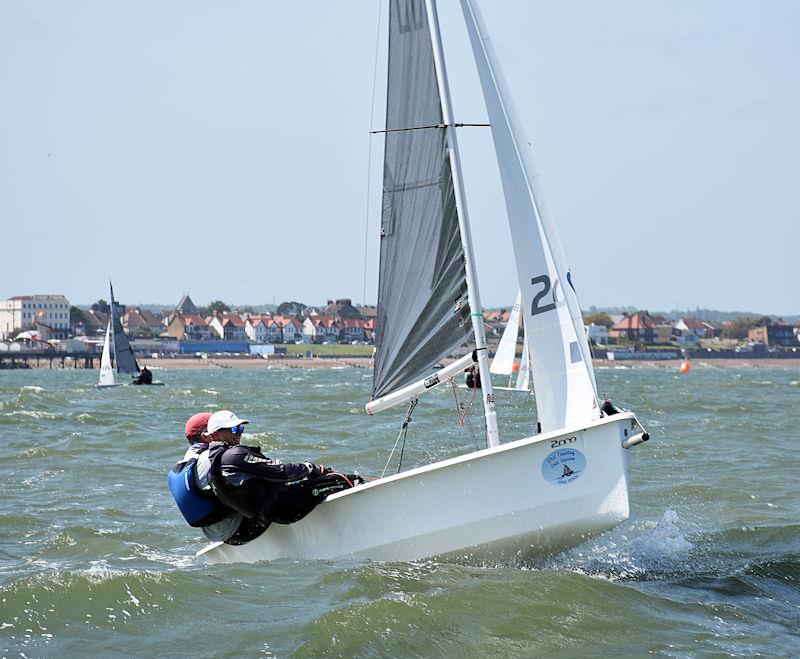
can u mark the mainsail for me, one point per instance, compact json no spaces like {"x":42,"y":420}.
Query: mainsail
{"x":123,"y":353}
{"x":423,"y":311}
{"x":563,"y":377}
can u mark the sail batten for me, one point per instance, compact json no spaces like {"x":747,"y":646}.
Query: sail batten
{"x":423,"y":308}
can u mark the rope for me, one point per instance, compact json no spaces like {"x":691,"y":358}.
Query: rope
{"x":403,"y":433}
{"x":343,"y":477}
{"x":369,"y":155}
{"x":462,"y":412}
{"x":400,"y":130}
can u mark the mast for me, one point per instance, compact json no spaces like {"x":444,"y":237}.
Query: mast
{"x":492,"y":434}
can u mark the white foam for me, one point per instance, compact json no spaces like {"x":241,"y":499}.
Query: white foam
{"x":664,"y":541}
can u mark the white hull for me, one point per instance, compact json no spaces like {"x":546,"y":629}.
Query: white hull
{"x":506,"y":501}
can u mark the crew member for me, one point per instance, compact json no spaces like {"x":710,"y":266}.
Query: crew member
{"x":145,"y":377}
{"x":262,"y":489}
{"x":608,"y":408}
{"x":473,"y":378}
{"x":190,"y":483}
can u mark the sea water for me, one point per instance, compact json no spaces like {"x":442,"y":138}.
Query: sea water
{"x":96,"y":560}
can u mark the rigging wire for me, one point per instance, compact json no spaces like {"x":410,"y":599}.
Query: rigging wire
{"x":402,"y":434}
{"x":462,"y":412}
{"x":369,"y":154}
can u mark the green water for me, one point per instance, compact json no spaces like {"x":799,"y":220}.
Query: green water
{"x":95,"y":559}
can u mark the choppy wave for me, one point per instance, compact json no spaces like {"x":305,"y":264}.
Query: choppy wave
{"x":93,"y":552}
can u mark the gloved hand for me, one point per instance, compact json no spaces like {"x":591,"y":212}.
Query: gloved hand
{"x":317,"y":470}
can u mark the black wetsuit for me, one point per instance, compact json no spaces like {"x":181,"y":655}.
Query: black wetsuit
{"x":145,"y":377}
{"x":473,"y":379}
{"x":266,"y":490}
{"x":608,"y":408}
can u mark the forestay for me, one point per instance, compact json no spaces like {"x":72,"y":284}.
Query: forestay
{"x":563,"y":377}
{"x":123,"y":353}
{"x":423,"y":311}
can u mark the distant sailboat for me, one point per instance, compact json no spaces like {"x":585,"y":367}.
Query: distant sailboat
{"x":124,"y":359}
{"x":117,"y":352}
{"x":504,"y":361}
{"x":107,"y":378}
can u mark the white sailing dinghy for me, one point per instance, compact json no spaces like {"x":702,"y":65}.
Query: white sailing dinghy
{"x":124,"y":361}
{"x":505,"y":359}
{"x":106,"y":369}
{"x":529,"y":496}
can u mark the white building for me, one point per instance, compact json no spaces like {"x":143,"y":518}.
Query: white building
{"x":597,"y":334}
{"x":291,"y":329}
{"x":23,"y":311}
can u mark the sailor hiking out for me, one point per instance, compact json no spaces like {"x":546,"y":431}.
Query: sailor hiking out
{"x":233,"y":492}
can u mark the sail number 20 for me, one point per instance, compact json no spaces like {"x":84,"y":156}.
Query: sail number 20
{"x":536,"y":308}
{"x":543,"y":286}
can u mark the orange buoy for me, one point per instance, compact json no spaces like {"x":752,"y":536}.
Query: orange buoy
{"x":515,"y":367}
{"x":685,"y":367}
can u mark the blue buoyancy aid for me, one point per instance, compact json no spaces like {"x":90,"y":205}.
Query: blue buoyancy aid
{"x":198,"y":507}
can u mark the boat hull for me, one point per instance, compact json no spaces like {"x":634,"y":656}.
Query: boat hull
{"x":519,"y":500}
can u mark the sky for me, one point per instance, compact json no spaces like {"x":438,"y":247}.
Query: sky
{"x":224,"y":149}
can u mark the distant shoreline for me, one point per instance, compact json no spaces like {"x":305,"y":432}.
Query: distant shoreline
{"x":366,"y":362}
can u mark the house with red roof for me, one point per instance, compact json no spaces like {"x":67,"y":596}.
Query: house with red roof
{"x":638,"y":327}
{"x":291,"y":329}
{"x":188,"y":327}
{"x":228,"y":326}
{"x":320,"y":328}
{"x":142,"y":320}
{"x":258,"y":329}
{"x":353,"y":329}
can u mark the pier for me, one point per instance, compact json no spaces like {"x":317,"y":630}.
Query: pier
{"x":46,"y":358}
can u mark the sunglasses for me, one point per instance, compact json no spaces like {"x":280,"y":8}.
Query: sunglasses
{"x":236,"y":430}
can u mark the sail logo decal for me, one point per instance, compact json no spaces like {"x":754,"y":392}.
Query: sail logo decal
{"x":563,"y":466}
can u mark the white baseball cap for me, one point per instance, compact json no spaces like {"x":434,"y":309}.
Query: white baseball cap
{"x":222,"y":419}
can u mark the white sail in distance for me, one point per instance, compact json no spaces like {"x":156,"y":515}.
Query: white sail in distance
{"x":106,"y":370}
{"x":503,"y":362}
{"x":563,"y":377}
{"x":524,"y":373}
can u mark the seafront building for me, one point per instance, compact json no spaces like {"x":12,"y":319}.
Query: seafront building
{"x":46,"y":314}
{"x":27,"y":321}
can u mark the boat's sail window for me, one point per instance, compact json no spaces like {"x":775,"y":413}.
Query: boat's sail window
{"x":423,"y":312}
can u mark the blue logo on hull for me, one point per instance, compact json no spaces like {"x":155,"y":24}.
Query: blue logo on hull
{"x":563,"y":466}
